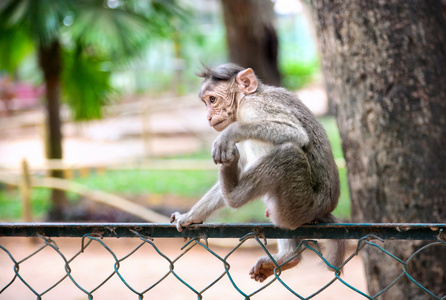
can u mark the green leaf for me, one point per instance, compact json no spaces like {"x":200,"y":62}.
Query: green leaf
{"x":41,"y":19}
{"x":120,"y":33}
{"x":86,"y":84}
{"x":15,"y":45}
{"x":93,"y":34}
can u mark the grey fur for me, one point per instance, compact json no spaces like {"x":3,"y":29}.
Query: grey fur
{"x":276,"y":150}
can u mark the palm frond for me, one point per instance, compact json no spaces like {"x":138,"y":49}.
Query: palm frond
{"x":41,"y":19}
{"x":91,"y":33}
{"x":121,"y":32}
{"x":15,"y":45}
{"x":86,"y":84}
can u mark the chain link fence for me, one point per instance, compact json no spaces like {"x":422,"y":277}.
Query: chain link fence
{"x":363,"y":235}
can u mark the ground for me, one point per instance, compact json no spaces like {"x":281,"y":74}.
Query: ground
{"x":145,"y":267}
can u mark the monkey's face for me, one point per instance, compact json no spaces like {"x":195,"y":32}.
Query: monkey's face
{"x":221,"y":104}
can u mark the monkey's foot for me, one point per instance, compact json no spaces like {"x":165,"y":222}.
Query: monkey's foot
{"x":264,"y":267}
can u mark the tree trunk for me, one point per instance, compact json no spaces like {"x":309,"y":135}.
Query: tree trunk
{"x":252,"y":38}
{"x":385,"y":69}
{"x":51,"y":64}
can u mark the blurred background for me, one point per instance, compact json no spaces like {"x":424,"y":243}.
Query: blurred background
{"x":99,"y":114}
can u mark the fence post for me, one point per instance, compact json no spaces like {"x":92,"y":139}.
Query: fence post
{"x":146,"y":130}
{"x":25,"y":191}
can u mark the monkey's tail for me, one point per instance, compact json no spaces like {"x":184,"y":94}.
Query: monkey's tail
{"x":336,"y":249}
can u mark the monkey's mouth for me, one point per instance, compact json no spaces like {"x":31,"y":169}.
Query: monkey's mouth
{"x":217,"y":124}
{"x":220,"y":125}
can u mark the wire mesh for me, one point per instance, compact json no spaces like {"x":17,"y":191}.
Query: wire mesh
{"x":198,"y":237}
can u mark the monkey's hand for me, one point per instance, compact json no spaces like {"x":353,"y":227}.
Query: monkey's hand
{"x":183,"y":220}
{"x":224,"y":150}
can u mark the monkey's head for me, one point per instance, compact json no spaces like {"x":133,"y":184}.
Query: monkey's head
{"x":221,"y":91}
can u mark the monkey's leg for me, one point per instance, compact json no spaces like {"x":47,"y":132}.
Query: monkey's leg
{"x":283,"y":173}
{"x":238,"y":189}
{"x":264,"y":267}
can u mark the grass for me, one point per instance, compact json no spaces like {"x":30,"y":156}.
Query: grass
{"x":187,"y":184}
{"x":122,"y":182}
{"x":11,"y":208}
{"x":136,"y":182}
{"x":343,"y":210}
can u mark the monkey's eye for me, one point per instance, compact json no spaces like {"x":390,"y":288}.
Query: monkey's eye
{"x":212,"y":99}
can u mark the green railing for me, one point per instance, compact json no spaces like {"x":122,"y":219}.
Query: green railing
{"x":368,"y":235}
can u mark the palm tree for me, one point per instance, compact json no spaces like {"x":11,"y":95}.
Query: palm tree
{"x":77,"y":44}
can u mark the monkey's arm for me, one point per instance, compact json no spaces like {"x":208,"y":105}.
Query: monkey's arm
{"x":269,"y":131}
{"x":210,"y":202}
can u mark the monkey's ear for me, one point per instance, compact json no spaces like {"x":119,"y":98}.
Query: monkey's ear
{"x":247,"y":81}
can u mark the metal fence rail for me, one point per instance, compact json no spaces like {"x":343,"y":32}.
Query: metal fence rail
{"x":366,"y":234}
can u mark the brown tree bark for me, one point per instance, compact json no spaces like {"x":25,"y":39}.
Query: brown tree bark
{"x":50,"y":62}
{"x":252,"y":38}
{"x":385,"y":69}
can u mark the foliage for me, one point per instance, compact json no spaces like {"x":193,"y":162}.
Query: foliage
{"x":86,"y":78}
{"x":297,"y":74}
{"x":15,"y":46}
{"x":298,"y":61}
{"x":96,"y":37}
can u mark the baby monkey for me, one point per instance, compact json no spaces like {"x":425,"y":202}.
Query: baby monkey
{"x":270,"y":146}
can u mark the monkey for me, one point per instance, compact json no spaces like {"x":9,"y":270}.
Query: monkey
{"x":271,"y":147}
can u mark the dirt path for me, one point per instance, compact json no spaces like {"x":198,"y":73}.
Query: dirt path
{"x":198,"y":267}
